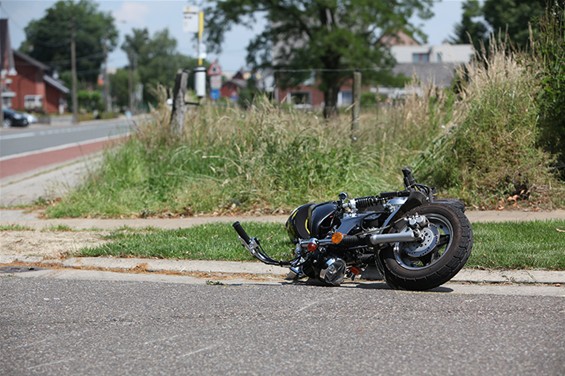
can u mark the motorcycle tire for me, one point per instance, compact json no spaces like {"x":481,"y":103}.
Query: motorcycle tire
{"x":450,"y":253}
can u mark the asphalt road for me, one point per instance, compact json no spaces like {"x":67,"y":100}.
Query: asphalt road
{"x":94,"y":327}
{"x":39,"y":137}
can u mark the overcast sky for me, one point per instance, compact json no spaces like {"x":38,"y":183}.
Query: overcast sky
{"x":160,"y":14}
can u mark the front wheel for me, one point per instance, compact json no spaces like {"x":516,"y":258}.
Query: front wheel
{"x":446,"y":246}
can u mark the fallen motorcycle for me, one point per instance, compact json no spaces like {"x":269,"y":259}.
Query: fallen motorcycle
{"x":416,"y":241}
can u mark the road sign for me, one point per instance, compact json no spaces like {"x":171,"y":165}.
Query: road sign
{"x":215,"y":82}
{"x":190,"y":20}
{"x":215,"y":94}
{"x":215,"y":69}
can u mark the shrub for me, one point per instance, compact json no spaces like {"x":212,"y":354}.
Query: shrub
{"x":489,"y":157}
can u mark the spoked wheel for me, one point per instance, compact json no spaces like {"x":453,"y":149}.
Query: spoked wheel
{"x":446,"y":245}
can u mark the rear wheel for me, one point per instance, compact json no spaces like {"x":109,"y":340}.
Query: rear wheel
{"x":446,"y":246}
{"x":7,"y":123}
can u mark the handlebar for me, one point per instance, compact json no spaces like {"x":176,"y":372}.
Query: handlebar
{"x":241,"y":232}
{"x":408,"y":177}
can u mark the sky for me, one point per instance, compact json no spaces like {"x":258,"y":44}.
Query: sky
{"x":157,"y":15}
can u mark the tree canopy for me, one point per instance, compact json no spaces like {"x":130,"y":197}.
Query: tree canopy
{"x":512,"y":17}
{"x":154,"y":59}
{"x":330,"y":37}
{"x":48,"y":39}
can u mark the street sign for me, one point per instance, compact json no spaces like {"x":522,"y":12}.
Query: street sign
{"x":214,"y":69}
{"x":215,"y":82}
{"x":190,"y":20}
{"x":215,"y":94}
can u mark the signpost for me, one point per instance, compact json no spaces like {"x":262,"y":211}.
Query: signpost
{"x":193,"y":22}
{"x":215,"y":74}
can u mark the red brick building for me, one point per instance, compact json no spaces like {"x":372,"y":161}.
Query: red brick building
{"x":34,"y":88}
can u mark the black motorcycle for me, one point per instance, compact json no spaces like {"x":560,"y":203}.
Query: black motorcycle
{"x":416,"y":241}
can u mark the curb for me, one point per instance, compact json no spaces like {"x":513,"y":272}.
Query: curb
{"x":261,"y":270}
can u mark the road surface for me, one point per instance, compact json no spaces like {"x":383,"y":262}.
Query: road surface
{"x":97,"y":327}
{"x":15,"y":141}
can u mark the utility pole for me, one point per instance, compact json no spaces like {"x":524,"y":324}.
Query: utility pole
{"x":74,"y":73}
{"x":132,"y":63}
{"x":356,"y":105}
{"x":107,"y":95}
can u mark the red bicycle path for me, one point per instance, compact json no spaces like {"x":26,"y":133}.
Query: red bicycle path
{"x":19,"y":164}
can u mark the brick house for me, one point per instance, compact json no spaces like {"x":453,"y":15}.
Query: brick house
{"x":35,"y":89}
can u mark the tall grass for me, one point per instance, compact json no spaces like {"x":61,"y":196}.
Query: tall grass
{"x":264,"y":159}
{"x":489,"y":157}
{"x":479,"y":146}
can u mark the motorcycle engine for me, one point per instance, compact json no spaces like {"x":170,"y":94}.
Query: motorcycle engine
{"x":333,"y":271}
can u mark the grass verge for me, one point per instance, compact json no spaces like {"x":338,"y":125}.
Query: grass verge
{"x":522,"y":245}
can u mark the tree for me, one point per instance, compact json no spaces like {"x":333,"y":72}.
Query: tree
{"x":472,"y":28}
{"x":48,"y":39}
{"x":331,"y":37}
{"x":119,"y":88}
{"x":154,"y":59}
{"x":512,"y":17}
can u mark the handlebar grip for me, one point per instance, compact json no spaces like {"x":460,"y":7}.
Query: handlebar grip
{"x":408,"y":177}
{"x":241,"y":232}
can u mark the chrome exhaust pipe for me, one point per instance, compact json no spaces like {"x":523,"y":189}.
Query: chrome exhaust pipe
{"x":407,"y":236}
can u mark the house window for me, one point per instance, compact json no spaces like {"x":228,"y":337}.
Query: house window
{"x":33,"y":102}
{"x":301,"y":99}
{"x":345,"y":98}
{"x":420,"y":58}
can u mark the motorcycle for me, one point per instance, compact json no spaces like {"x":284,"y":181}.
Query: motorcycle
{"x":416,"y":241}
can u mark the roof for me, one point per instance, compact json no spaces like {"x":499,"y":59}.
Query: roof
{"x":30,"y":60}
{"x":55,"y":83}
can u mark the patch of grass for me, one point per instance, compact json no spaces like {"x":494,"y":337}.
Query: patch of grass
{"x":512,"y":245}
{"x":59,"y":228}
{"x":15,"y":227}
{"x":523,"y":245}
{"x":206,"y":242}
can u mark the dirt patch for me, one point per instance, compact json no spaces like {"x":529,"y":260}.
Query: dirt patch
{"x":47,"y":244}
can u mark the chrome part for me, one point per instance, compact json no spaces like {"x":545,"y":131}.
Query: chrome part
{"x":408,"y":235}
{"x":397,"y":201}
{"x":417,"y":221}
{"x":430,"y":239}
{"x":436,"y":241}
{"x":333,"y":272}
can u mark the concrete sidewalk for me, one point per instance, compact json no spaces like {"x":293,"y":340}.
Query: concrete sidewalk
{"x":33,"y":220}
{"x":258,"y":270}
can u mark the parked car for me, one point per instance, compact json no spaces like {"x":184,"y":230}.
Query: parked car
{"x":31,"y":118}
{"x":14,"y":119}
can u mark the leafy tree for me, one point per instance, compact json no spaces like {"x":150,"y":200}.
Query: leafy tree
{"x":514,"y":17}
{"x":499,"y":16}
{"x":90,"y":100}
{"x":155,"y":59}
{"x":472,"y":28}
{"x":331,"y":37}
{"x":119,"y":84}
{"x":48,"y":39}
